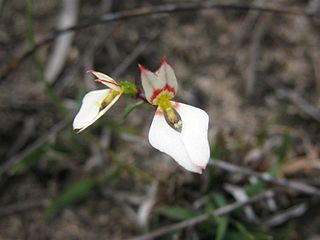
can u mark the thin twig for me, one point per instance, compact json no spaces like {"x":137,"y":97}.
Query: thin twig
{"x":23,"y":206}
{"x":203,"y":217}
{"x":297,"y":186}
{"x":29,"y":126}
{"x":122,"y":67}
{"x":40,"y":141}
{"x":68,"y":17}
{"x":301,"y":103}
{"x":146,"y":11}
{"x":292,"y":212}
{"x":232,"y":168}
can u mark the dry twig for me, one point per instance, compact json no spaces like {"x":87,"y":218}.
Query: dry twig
{"x":301,"y":103}
{"x":57,"y":59}
{"x":23,"y":206}
{"x":297,"y":186}
{"x":286,"y":215}
{"x":232,"y":168}
{"x":40,"y":141}
{"x":203,"y":217}
{"x":122,"y":67}
{"x":146,"y":11}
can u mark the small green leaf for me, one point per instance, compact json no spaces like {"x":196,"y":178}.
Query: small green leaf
{"x":128,"y":88}
{"x":74,"y":193}
{"x":283,"y":149}
{"x":255,"y":188}
{"x":262,"y":137}
{"x":130,"y":107}
{"x":223,"y":221}
{"x":216,"y":151}
{"x":177,"y":213}
{"x":247,"y":235}
{"x":222,"y":227}
{"x":219,"y":199}
{"x":79,"y":191}
{"x":30,"y":160}
{"x":233,"y":235}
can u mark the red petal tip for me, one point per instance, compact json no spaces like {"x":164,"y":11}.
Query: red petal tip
{"x":164,"y":60}
{"x":142,"y":68}
{"x":202,"y":167}
{"x":77,"y":130}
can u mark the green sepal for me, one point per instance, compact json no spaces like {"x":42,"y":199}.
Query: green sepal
{"x":129,"y":88}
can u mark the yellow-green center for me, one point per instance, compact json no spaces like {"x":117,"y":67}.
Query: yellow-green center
{"x":163,"y":101}
{"x":110,"y":97}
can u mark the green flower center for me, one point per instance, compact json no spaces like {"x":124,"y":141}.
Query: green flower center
{"x":171,"y":115}
{"x":109,"y":98}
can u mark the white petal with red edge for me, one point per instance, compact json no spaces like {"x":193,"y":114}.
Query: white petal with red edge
{"x":106,"y":80}
{"x":90,"y":108}
{"x":150,"y":82}
{"x":166,"y":74}
{"x":194,"y":134}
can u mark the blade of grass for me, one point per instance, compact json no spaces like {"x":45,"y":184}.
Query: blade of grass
{"x":130,"y":107}
{"x":223,"y":221}
{"x":177,"y":213}
{"x":30,"y":160}
{"x":79,"y":191}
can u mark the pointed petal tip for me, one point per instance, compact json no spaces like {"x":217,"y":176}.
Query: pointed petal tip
{"x":202,"y":167}
{"x":142,"y":68}
{"x":90,"y":71}
{"x":77,"y":130}
{"x":105,"y":82}
{"x":197,"y":170}
{"x":164,"y":60}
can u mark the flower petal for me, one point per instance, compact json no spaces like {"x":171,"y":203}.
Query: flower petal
{"x":106,"y":80}
{"x":150,"y":82}
{"x":90,"y":109}
{"x":167,"y":140}
{"x":166,"y":74}
{"x":194,"y":133}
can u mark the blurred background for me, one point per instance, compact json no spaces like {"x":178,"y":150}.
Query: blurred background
{"x":256,"y":73}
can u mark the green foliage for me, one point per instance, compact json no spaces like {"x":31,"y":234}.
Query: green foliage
{"x":223,"y":221}
{"x":177,"y":213}
{"x":74,"y":193}
{"x":216,"y":152}
{"x":222,"y":227}
{"x":78,"y":191}
{"x":128,"y":88}
{"x":130,"y":107}
{"x":29,"y":160}
{"x":242,"y":229}
{"x":260,"y":185}
{"x":282,"y":150}
{"x":255,"y":188}
{"x":262,"y":136}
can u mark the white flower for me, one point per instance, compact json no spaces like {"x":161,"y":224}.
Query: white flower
{"x":178,"y":129}
{"x":98,"y":102}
